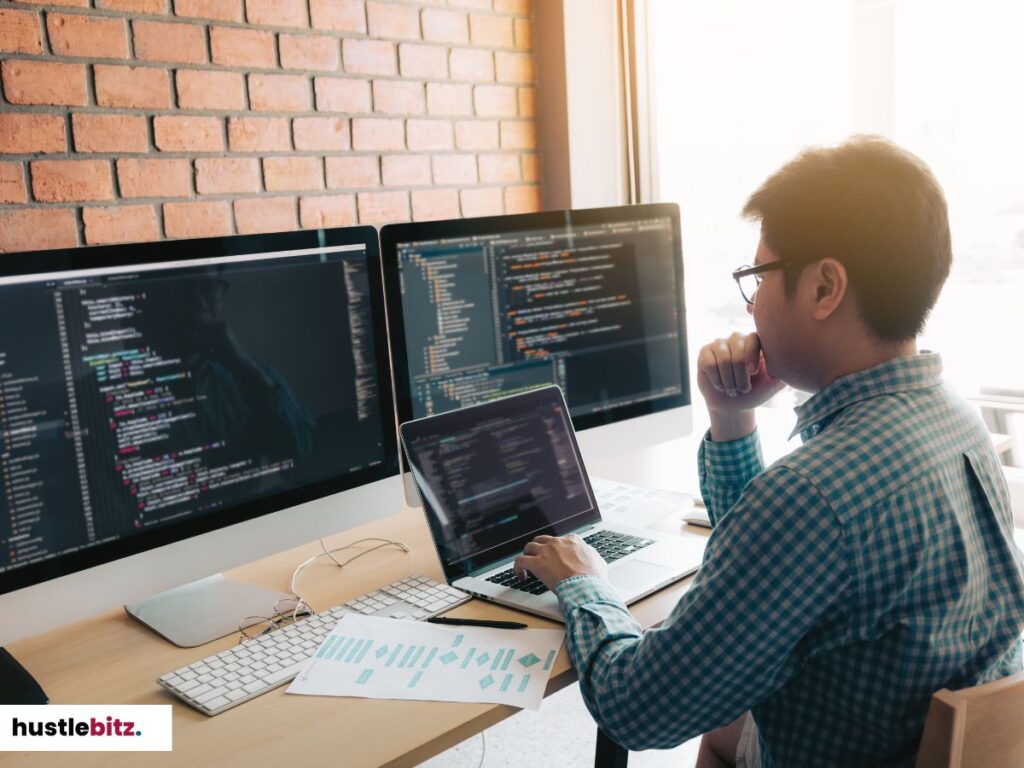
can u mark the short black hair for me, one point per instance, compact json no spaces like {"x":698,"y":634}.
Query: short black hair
{"x":878,"y":210}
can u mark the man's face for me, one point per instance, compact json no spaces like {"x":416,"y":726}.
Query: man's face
{"x":777,"y":321}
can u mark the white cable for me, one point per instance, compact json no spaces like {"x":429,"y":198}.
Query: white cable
{"x":483,"y":750}
{"x":330,"y":553}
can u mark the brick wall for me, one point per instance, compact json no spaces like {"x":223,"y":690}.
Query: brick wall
{"x":137,"y":120}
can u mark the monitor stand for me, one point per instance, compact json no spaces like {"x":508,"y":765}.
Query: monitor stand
{"x":17,"y":686}
{"x":204,"y":610}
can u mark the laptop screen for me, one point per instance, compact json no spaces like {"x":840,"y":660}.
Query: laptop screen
{"x":495,"y":475}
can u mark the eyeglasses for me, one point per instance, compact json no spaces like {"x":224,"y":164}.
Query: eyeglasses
{"x":286,"y":611}
{"x":749,"y":278}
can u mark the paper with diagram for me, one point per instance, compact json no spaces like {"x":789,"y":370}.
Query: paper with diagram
{"x":379,"y":658}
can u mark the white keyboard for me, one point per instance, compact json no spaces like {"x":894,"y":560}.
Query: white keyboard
{"x":635,"y":506}
{"x":260,"y":664}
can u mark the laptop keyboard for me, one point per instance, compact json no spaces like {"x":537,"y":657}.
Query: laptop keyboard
{"x":611,"y":545}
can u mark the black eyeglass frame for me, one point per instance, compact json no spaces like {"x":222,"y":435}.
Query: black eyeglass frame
{"x":757,"y":271}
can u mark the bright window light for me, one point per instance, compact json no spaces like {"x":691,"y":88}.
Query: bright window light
{"x":741,"y":86}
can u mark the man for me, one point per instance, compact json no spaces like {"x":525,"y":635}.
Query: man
{"x":872,"y":566}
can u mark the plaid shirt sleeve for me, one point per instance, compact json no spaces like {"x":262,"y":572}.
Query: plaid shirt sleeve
{"x":773,"y":568}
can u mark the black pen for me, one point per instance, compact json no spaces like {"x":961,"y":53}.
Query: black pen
{"x":476,"y":623}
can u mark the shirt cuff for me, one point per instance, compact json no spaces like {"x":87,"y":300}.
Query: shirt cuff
{"x":577,"y":591}
{"x":733,"y":461}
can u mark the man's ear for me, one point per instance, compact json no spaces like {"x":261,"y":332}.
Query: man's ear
{"x":830,"y":284}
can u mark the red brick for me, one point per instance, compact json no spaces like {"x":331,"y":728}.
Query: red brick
{"x":423,"y":135}
{"x":188,"y":133}
{"x":95,"y":37}
{"x":423,"y":60}
{"x":120,"y":224}
{"x":209,"y":90}
{"x":352,"y":171}
{"x":449,"y":99}
{"x":527,"y":102}
{"x":279,"y":93}
{"x":321,"y":134}
{"x":36,"y":229}
{"x":227,"y":175}
{"x":233,"y":47}
{"x":323,"y":212}
{"x":163,"y":41}
{"x":23,"y":134}
{"x":531,"y":167}
{"x":43,"y":82}
{"x":259,"y":134}
{"x":476,"y":134}
{"x":336,"y":94}
{"x":341,"y":15}
{"x":491,"y":31}
{"x":295,"y":173}
{"x":12,"y":183}
{"x":521,"y":134}
{"x":405,"y":170}
{"x":110,"y":133}
{"x":375,"y":134}
{"x":132,"y":87}
{"x":482,"y":201}
{"x":398,"y":97}
{"x":21,"y":32}
{"x":383,"y":207}
{"x":368,"y":57}
{"x":497,"y":168}
{"x":471,"y":64}
{"x":277,"y":13}
{"x":309,"y":52}
{"x":455,"y":169}
{"x":69,"y":181}
{"x":221,"y":10}
{"x":523,"y":199}
{"x":390,"y":20}
{"x":135,"y":6}
{"x":495,"y":100}
{"x":154,"y":178}
{"x":434,"y":204}
{"x":514,"y":67}
{"x":265,"y":214}
{"x":523,"y":33}
{"x":445,"y":26}
{"x":520,"y":7}
{"x":203,"y":219}
{"x":67,"y":3}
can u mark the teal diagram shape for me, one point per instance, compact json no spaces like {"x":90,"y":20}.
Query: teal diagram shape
{"x":382,"y":652}
{"x":529,"y":660}
{"x":482,"y":658}
{"x":487,"y":682}
{"x":449,"y":657}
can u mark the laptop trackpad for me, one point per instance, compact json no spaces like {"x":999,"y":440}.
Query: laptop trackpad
{"x":634,"y":576}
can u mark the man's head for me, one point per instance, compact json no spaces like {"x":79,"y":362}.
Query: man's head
{"x":863,"y":230}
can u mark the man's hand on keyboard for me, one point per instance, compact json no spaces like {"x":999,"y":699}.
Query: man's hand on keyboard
{"x":553,"y":558}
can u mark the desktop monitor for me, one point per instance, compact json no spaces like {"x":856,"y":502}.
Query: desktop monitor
{"x":172,"y":409}
{"x":590,"y":300}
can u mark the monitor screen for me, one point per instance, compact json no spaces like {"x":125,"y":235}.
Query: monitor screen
{"x":153,"y":392}
{"x":494,"y":476}
{"x":591,"y":301}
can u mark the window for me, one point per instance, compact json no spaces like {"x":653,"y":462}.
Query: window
{"x":739,"y":87}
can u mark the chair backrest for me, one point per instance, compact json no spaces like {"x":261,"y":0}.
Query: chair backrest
{"x":981,"y":726}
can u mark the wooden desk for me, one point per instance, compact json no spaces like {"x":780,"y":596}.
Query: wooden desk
{"x":112,"y":659}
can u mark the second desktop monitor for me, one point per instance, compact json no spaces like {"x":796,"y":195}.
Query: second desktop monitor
{"x":589,"y":300}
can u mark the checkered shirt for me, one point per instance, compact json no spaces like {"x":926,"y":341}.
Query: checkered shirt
{"x":840,"y":588}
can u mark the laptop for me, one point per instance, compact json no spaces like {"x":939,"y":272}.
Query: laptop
{"x":495,"y":475}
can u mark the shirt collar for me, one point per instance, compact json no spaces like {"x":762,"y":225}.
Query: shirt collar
{"x":901,"y":374}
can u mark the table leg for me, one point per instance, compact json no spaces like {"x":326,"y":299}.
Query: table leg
{"x":608,"y":753}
